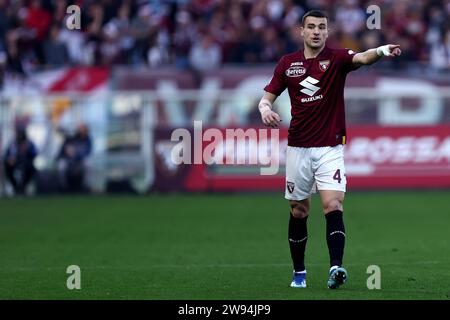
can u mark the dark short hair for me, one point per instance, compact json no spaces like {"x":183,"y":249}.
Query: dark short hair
{"x":314,"y":13}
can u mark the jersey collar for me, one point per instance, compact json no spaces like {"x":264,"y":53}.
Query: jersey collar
{"x":322,"y":53}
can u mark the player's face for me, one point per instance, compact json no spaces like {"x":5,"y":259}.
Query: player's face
{"x":315,"y":32}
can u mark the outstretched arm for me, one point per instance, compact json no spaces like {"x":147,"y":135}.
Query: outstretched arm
{"x":373,"y":55}
{"x":269,"y":117}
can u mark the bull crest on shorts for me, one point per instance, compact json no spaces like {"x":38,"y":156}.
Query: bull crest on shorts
{"x":290,"y":186}
{"x":324,"y":65}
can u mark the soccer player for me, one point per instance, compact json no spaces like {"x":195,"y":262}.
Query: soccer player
{"x":315,"y":79}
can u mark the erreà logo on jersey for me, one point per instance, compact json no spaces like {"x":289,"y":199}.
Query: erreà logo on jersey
{"x":295,"y":71}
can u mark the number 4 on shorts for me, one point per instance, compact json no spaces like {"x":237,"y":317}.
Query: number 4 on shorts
{"x":337,"y":175}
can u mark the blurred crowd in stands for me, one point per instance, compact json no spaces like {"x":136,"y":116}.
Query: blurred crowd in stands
{"x":206,"y":34}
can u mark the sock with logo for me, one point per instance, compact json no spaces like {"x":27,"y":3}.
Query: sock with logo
{"x":335,"y":237}
{"x":298,"y":235}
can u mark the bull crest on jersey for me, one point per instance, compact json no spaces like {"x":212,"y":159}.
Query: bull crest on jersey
{"x":290,"y":186}
{"x":324,"y":65}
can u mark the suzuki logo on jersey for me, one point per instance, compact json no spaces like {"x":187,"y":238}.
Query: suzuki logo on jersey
{"x":310,"y":89}
{"x":309,"y":86}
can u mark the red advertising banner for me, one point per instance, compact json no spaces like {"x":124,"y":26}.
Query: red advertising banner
{"x":244,"y":162}
{"x":398,"y":157}
{"x":236,"y":164}
{"x":376,"y":158}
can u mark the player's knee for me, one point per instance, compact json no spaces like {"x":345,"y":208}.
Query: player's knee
{"x":333,"y":205}
{"x":299,"y":210}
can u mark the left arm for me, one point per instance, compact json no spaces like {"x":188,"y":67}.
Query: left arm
{"x":373,"y":55}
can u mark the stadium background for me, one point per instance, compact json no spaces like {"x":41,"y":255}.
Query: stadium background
{"x":137,"y":70}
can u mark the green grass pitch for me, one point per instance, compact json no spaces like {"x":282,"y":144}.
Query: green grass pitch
{"x":219,"y":246}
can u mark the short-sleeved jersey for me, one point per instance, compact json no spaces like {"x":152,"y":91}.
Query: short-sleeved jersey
{"x":316,"y":91}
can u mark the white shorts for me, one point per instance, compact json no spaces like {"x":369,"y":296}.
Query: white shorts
{"x":309,"y":169}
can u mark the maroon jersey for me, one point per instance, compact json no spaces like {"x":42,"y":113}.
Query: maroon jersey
{"x":316,"y":91}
